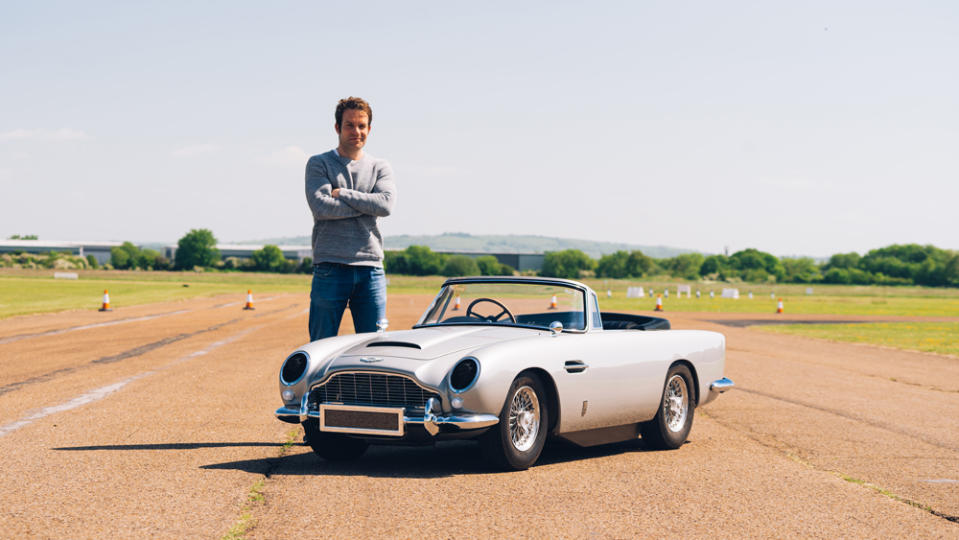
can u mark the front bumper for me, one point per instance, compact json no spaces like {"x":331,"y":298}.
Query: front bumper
{"x":432,"y":419}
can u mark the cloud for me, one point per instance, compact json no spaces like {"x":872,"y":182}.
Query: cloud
{"x":62,"y":134}
{"x":195,"y":150}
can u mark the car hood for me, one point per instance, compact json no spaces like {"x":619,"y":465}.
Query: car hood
{"x":430,"y":343}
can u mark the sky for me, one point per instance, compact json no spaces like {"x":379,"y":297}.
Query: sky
{"x":797,"y":128}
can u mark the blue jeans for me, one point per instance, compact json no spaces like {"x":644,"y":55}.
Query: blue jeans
{"x":335,"y":286}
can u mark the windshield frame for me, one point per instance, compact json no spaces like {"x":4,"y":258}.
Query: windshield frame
{"x":575,"y":285}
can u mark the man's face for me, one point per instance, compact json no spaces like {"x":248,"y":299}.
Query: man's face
{"x":353,"y":129}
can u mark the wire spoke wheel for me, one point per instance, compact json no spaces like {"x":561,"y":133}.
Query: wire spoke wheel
{"x":675,"y":403}
{"x":524,"y":418}
{"x":517,"y":440}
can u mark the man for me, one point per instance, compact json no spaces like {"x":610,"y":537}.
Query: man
{"x":348,"y":190}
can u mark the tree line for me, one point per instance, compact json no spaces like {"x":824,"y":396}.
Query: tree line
{"x":197,"y":249}
{"x":898,"y":264}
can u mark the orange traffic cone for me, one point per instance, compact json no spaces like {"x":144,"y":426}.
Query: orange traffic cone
{"x":456,"y":304}
{"x":552,"y":302}
{"x":249,"y":300}
{"x":779,"y":306}
{"x":659,"y":303}
{"x":105,"y":306}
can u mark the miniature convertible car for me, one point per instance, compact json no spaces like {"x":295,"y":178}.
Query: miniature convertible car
{"x":507,"y":361}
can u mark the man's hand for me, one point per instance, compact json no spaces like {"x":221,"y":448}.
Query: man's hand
{"x":336,"y":193}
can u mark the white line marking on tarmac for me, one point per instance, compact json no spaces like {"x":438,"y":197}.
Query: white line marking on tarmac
{"x":11,"y":339}
{"x":88,"y":326}
{"x":104,"y":391}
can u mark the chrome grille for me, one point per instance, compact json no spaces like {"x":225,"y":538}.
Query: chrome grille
{"x":371,"y":389}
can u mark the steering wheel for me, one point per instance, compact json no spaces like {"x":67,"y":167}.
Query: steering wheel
{"x":489,"y":318}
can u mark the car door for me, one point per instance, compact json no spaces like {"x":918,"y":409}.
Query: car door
{"x":607,"y":378}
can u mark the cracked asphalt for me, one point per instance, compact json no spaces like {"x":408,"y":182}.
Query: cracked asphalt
{"x":156,"y":421}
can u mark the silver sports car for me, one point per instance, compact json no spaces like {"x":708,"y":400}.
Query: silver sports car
{"x":507,"y":361}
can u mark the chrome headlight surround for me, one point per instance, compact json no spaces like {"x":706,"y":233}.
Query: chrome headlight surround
{"x":294,"y":368}
{"x":464,"y":374}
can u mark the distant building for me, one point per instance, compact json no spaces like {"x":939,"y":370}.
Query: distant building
{"x":245,"y":251}
{"x":519,"y":261}
{"x":99,"y":250}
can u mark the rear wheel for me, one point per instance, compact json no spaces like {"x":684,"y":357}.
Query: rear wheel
{"x":670,"y":428}
{"x":332,"y":446}
{"x":518,"y":439}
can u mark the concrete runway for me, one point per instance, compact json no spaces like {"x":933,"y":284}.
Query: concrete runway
{"x":157,"y":421}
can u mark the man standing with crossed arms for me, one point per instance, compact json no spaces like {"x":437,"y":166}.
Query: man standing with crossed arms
{"x":347,"y":191}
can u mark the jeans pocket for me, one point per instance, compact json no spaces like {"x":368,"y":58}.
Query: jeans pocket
{"x":323,"y":270}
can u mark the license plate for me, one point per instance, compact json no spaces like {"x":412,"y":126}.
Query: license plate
{"x":361,"y":420}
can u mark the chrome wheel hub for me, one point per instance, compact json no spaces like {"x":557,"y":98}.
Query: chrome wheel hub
{"x":675,"y":403}
{"x":523,"y":419}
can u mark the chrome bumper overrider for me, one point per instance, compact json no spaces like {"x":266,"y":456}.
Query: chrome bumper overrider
{"x":430,"y":420}
{"x":721,"y":385}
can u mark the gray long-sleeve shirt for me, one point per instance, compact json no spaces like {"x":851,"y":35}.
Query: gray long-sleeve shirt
{"x":345,"y":230}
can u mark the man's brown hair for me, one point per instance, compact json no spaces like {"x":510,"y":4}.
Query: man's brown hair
{"x":353,"y":103}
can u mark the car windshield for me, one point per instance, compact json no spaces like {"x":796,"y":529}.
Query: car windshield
{"x":508,"y":303}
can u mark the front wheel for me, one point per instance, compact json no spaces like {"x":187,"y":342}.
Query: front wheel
{"x":518,"y":439}
{"x":669,"y":429}
{"x":332,"y":446}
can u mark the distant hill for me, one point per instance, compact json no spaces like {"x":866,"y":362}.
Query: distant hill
{"x":509,"y":243}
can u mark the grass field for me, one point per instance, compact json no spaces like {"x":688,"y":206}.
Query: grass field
{"x":936,"y":337}
{"x":36,"y":291}
{"x":824,"y":300}
{"x":25,"y":292}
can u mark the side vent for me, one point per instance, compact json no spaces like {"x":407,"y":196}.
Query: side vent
{"x":393,"y":344}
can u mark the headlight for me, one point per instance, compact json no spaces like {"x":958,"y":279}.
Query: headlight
{"x":293,"y":368}
{"x":464,"y":374}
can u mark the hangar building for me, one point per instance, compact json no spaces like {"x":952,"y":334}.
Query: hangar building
{"x":100,"y":250}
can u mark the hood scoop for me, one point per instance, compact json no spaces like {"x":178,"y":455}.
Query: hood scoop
{"x":393,"y":344}
{"x":430,"y":343}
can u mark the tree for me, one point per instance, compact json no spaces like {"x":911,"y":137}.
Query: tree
{"x":125,"y":256}
{"x":715,"y":265}
{"x":395,"y":262}
{"x":566,"y":264}
{"x":613,"y":265}
{"x":196,"y":248}
{"x":460,"y":265}
{"x":686,"y":266}
{"x":150,"y":259}
{"x":269,"y":259}
{"x":800,"y":270}
{"x":422,"y":261}
{"x":490,"y":266}
{"x":842,"y":260}
{"x":639,"y":264}
{"x":755,"y":265}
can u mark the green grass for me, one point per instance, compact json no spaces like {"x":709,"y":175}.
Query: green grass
{"x":36,"y":291}
{"x":824,"y":300}
{"x":935,"y":337}
{"x":24,"y":292}
{"x":821,"y":304}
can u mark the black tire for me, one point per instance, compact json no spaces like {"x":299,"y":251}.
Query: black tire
{"x":670,"y":428}
{"x":332,"y":446}
{"x":516,"y":442}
